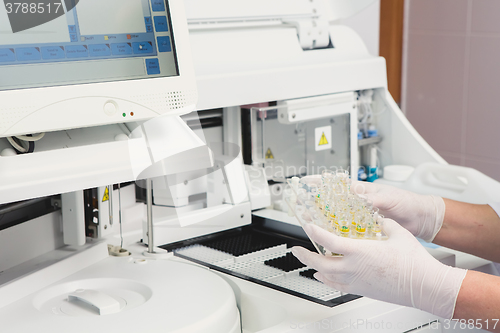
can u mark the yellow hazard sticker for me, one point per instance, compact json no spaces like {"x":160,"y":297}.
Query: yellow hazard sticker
{"x":323,"y":140}
{"x":269,"y":154}
{"x":105,"y":197}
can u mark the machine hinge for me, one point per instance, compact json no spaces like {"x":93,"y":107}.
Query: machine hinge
{"x":313,"y":33}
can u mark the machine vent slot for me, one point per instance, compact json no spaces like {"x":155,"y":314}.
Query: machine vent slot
{"x":243,"y":244}
{"x":10,"y":116}
{"x":172,"y":100}
{"x":309,"y":274}
{"x":286,"y":263}
{"x":176,"y":100}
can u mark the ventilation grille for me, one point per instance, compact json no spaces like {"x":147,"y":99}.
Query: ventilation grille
{"x":152,"y":101}
{"x":10,"y":116}
{"x":179,"y":99}
{"x":176,"y":100}
{"x":163,"y":102}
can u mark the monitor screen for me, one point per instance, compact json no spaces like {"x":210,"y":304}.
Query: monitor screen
{"x":48,"y":43}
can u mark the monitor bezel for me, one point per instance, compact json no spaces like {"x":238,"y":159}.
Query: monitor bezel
{"x":43,"y":109}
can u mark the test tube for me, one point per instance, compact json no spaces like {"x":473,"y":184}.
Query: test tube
{"x":378,"y":225}
{"x":360,"y":224}
{"x":326,"y":211}
{"x":316,"y":194}
{"x":332,"y":218}
{"x":322,"y":196}
{"x":344,"y":223}
{"x":347,"y":214}
{"x":323,"y":189}
{"x":368,"y":203}
{"x":326,"y":176}
{"x":343,"y":177}
{"x":372,"y":217}
{"x":352,"y":210}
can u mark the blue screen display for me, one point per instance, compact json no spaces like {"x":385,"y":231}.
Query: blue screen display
{"x":95,"y":31}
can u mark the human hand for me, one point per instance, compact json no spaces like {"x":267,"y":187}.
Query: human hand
{"x":422,"y":215}
{"x":398,"y":270}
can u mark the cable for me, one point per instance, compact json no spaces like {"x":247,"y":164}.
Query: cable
{"x":31,"y":145}
{"x":16,"y":146}
{"x":17,"y":140}
{"x":30,"y":138}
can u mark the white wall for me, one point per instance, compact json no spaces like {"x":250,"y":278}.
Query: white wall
{"x":452,"y":82}
{"x":367,"y":24}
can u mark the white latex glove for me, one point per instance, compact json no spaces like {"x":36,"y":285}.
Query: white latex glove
{"x":398,"y":270}
{"x":422,"y":215}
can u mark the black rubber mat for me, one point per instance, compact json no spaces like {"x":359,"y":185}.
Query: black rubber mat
{"x":309,"y":274}
{"x":244,"y":243}
{"x":286,"y":263}
{"x":252,"y":238}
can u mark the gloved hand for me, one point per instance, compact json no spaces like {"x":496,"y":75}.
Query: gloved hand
{"x":422,"y":215}
{"x":398,"y":270}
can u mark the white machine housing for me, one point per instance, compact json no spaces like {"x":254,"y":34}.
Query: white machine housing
{"x":87,"y":144}
{"x":248,"y":53}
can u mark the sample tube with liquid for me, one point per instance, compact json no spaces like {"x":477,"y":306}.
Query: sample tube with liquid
{"x":339,"y":211}
{"x":378,"y":225}
{"x":316,"y":194}
{"x":332,"y":218}
{"x":360,"y":224}
{"x":344,"y":224}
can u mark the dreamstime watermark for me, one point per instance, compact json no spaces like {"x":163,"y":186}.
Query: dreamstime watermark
{"x":278,"y":169}
{"x":24,"y":14}
{"x":280,"y":172}
{"x":363,"y":324}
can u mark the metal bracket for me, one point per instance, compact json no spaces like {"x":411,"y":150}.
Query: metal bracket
{"x":56,"y":202}
{"x":312,"y":33}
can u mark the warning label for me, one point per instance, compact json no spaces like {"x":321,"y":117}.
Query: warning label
{"x":105,"y":197}
{"x":269,"y":154}
{"x":323,"y":138}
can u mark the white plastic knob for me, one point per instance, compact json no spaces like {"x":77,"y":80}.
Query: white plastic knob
{"x":104,"y":303}
{"x":110,"y":108}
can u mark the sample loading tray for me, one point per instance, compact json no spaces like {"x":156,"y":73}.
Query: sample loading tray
{"x":263,"y":257}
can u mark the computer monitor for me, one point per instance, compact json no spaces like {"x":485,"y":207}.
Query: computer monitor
{"x":69,"y":63}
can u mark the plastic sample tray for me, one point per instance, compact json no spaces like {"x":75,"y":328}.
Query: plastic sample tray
{"x":302,"y":202}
